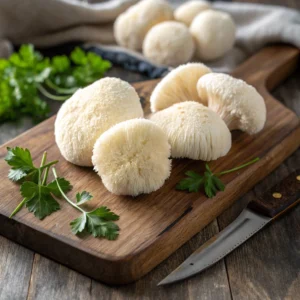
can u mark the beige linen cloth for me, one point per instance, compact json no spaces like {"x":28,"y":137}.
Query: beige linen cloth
{"x":51,"y":22}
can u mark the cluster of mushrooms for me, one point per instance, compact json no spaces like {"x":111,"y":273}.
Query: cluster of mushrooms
{"x":170,"y":38}
{"x":193,"y":112}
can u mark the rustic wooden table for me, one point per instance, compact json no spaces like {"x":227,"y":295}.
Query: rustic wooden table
{"x":265,"y":267}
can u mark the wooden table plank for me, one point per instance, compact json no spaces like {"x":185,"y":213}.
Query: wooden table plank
{"x":50,"y":280}
{"x":15,"y":269}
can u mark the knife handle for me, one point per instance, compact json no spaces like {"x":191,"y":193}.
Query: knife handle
{"x":279,"y":198}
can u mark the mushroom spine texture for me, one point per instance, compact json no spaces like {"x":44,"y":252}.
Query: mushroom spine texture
{"x":238,"y":104}
{"x":130,"y":27}
{"x":194,"y":131}
{"x":186,"y":12}
{"x":133,"y":157}
{"x":178,"y":86}
{"x":214,"y":34}
{"x":90,"y":112}
{"x":169,"y":43}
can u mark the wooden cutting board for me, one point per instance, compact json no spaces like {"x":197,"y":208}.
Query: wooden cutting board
{"x":152,"y":226}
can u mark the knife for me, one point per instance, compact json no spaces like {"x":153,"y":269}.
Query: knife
{"x":253,"y":218}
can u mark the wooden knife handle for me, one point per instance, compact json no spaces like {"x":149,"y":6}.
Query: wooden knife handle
{"x":279,"y":198}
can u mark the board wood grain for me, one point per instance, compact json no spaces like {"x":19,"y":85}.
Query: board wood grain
{"x":152,"y":226}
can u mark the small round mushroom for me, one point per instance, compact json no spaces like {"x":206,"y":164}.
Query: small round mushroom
{"x":131,"y":27}
{"x":186,"y":12}
{"x":238,"y":104}
{"x":169,"y":43}
{"x":132,"y":157}
{"x":90,"y":112}
{"x":194,"y":131}
{"x":214,"y":34}
{"x":178,"y":86}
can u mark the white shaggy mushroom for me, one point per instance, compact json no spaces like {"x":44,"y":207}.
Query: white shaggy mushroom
{"x":169,"y":43}
{"x":238,"y":104}
{"x":131,"y":27}
{"x":186,"y":12}
{"x":194,"y":131}
{"x":132,"y":157}
{"x":214,"y":34}
{"x":90,"y":112}
{"x":178,"y":86}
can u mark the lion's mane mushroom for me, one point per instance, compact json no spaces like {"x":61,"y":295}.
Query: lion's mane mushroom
{"x":186,"y":12}
{"x":194,"y":131}
{"x":131,"y":27}
{"x":132,"y":157}
{"x":90,"y":112}
{"x":214,"y":34}
{"x":238,"y":104}
{"x":169,"y":43}
{"x":178,"y":86}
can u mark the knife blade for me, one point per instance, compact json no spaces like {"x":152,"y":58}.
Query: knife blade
{"x":253,"y":218}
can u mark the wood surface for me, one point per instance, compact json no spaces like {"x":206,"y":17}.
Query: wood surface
{"x":273,"y":251}
{"x":152,"y":226}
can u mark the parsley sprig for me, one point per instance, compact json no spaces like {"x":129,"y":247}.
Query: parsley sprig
{"x":26,"y":76}
{"x":98,"y":222}
{"x":210,"y":181}
{"x":37,"y":193}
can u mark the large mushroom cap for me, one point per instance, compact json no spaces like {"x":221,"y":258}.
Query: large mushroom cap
{"x":214,"y":34}
{"x":194,"y":131}
{"x":178,"y":86}
{"x":133,"y":157}
{"x":186,"y":12}
{"x":169,"y":43}
{"x":130,"y":27}
{"x":90,"y":112}
{"x":238,"y":104}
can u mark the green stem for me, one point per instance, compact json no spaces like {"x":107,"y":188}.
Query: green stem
{"x":43,"y":159}
{"x":49,"y":164}
{"x":239,"y":167}
{"x":45,"y":176}
{"x":58,"y":89}
{"x":18,"y":208}
{"x":51,"y":96}
{"x":64,"y":195}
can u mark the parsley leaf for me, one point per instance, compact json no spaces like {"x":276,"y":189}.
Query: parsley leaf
{"x":64,"y":184}
{"x":39,"y":200}
{"x":98,"y":222}
{"x":83,"y":197}
{"x":21,"y":162}
{"x":210,"y":181}
{"x":192,"y":183}
{"x":38,"y":195}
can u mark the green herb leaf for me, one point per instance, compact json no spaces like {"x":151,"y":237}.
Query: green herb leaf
{"x":193,"y":183}
{"x":211,"y":182}
{"x":18,"y":157}
{"x":39,"y":200}
{"x":98,"y":222}
{"x":83,"y":197}
{"x":37,"y":194}
{"x":78,"y":225}
{"x":21,"y":162}
{"x":64,"y":184}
